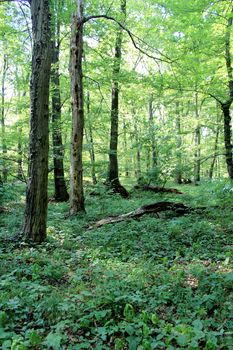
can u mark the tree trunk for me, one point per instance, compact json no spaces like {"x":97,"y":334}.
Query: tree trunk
{"x":227,"y":138}
{"x":76,"y":76}
{"x":138,"y":150}
{"x":227,"y":105}
{"x":126,"y":150}
{"x":152,"y":133}
{"x":148,"y":160}
{"x":211,"y":171}
{"x":197,"y":140}
{"x":20,"y":174}
{"x":113,"y":176}
{"x":90,"y":141}
{"x":61,"y":193}
{"x":36,"y":200}
{"x":178,"y":145}
{"x":4,"y":146}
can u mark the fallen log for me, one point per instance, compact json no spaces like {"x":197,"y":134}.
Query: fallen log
{"x":157,"y":189}
{"x":155,"y":208}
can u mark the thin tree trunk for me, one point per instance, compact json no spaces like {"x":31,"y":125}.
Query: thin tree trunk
{"x":20,"y":174}
{"x":227,"y":138}
{"x":61,"y":193}
{"x":76,"y":76}
{"x":138,"y":149}
{"x":126,"y":150}
{"x":36,"y":200}
{"x":152,"y":133}
{"x":4,"y":146}
{"x":227,"y":105}
{"x":90,"y":141}
{"x":178,"y":145}
{"x":148,"y":160}
{"x":197,"y":140}
{"x":113,"y":176}
{"x":211,"y":171}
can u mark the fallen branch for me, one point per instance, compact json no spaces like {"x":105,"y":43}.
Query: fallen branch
{"x":157,"y":189}
{"x":155,"y":208}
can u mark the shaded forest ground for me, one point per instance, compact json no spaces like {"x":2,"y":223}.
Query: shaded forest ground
{"x":155,"y":283}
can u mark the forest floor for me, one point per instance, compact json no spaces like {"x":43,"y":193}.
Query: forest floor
{"x":156,"y":283}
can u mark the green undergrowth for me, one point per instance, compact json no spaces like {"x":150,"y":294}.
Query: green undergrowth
{"x":156,"y":283}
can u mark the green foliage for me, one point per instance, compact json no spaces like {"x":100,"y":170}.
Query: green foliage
{"x":157,"y":283}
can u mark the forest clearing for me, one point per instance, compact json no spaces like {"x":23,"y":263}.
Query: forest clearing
{"x":116,"y":174}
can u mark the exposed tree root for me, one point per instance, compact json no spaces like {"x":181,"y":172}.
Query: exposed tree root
{"x":158,"y":189}
{"x":155,"y":208}
{"x":118,"y":188}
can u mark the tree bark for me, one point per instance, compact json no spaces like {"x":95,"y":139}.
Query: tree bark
{"x":4,"y":146}
{"x":227,"y":105}
{"x":76,"y":76}
{"x":36,"y":199}
{"x":227,"y":137}
{"x":113,"y":175}
{"x":20,"y":174}
{"x":61,"y":193}
{"x":154,"y":208}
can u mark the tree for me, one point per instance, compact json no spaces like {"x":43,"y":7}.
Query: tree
{"x":4,"y":146}
{"x":178,"y":171}
{"x":113,"y":175}
{"x":76,"y":76}
{"x":225,"y":106}
{"x":61,"y":193}
{"x":90,"y":141}
{"x":34,"y":228}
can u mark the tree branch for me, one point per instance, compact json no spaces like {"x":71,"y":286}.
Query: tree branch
{"x":132,"y":37}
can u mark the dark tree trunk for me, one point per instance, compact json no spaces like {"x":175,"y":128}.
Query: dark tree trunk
{"x":20,"y":174}
{"x":90,"y":141}
{"x":4,"y":146}
{"x":76,"y":76}
{"x":227,"y":105}
{"x":36,"y":200}
{"x":178,"y":145}
{"x":61,"y":193}
{"x":227,"y":137}
{"x":113,"y":175}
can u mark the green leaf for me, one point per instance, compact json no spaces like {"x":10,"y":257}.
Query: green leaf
{"x":197,"y":324}
{"x":6,"y":345}
{"x":53,"y":340}
{"x":4,"y":335}
{"x":182,"y":340}
{"x":129,"y":329}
